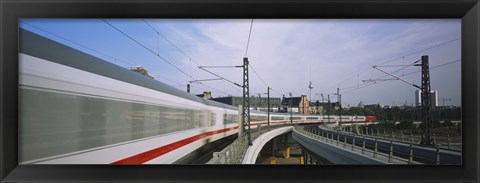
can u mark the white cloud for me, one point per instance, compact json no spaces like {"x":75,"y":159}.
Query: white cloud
{"x":285,"y":52}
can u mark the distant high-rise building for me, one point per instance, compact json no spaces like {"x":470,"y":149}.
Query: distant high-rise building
{"x":418,"y":97}
{"x":433,"y":98}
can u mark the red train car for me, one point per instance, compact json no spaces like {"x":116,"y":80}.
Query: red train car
{"x":370,"y":118}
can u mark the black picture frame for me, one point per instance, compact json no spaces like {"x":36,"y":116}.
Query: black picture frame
{"x":11,"y":11}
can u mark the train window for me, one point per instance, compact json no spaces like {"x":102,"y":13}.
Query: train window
{"x":230,"y":118}
{"x":258,"y":118}
{"x":310,"y":118}
{"x":212,"y":119}
{"x":295,"y":118}
{"x":278,"y":118}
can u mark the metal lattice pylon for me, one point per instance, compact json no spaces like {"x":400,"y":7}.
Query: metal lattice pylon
{"x":426,"y":103}
{"x":246,"y":101}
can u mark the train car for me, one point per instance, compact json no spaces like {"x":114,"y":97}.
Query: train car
{"x":359,"y":118}
{"x":78,"y":109}
{"x":370,"y":118}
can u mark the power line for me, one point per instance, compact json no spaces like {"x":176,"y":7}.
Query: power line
{"x":180,"y":50}
{"x":158,"y":55}
{"x":190,"y":58}
{"x":200,"y":67}
{"x":353,"y":88}
{"x":78,"y":44}
{"x":113,"y":58}
{"x":248,"y":41}
{"x":276,"y":91}
{"x":391,"y":60}
{"x":435,"y":66}
{"x":412,"y":53}
{"x":258,"y":75}
{"x":360,"y":73}
{"x":148,"y":49}
{"x":404,"y":67}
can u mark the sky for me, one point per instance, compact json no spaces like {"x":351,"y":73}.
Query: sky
{"x":284,"y":55}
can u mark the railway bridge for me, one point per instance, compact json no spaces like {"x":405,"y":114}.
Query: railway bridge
{"x":320,"y":142}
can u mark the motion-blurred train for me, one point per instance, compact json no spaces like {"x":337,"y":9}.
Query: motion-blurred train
{"x":75,"y":108}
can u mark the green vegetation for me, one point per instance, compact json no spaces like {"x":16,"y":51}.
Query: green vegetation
{"x":405,"y":125}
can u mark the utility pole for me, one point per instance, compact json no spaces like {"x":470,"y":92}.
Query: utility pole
{"x":268,"y":105}
{"x":259,"y":101}
{"x":188,"y":88}
{"x":291,"y":111}
{"x":339,"y":99}
{"x":323,"y":106}
{"x":246,"y":101}
{"x":426,"y":103}
{"x":425,"y":96}
{"x":328,"y":108}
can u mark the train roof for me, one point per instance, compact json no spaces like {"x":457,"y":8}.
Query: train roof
{"x":38,"y":46}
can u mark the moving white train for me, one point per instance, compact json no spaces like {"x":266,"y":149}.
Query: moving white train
{"x":78,"y":109}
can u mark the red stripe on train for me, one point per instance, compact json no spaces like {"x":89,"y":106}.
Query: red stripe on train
{"x":154,"y":153}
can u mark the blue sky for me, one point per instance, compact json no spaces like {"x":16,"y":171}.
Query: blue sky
{"x":287,"y":54}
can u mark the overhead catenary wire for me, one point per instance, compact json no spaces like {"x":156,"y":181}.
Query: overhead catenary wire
{"x":78,"y":44}
{"x":276,"y":91}
{"x":246,"y":53}
{"x":258,"y":75}
{"x":190,"y":58}
{"x":200,"y":67}
{"x":248,"y":40}
{"x":371,"y":83}
{"x":391,"y":60}
{"x":180,"y":50}
{"x":116,"y":59}
{"x":415,"y":52}
{"x":165,"y":60}
{"x":401,"y":69}
{"x":353,"y":88}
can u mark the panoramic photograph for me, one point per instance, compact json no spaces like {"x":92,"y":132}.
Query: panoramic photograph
{"x":240,"y":91}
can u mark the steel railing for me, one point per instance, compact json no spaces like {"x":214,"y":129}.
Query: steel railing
{"x":367,"y":145}
{"x":407,"y":136}
{"x":235,"y":152}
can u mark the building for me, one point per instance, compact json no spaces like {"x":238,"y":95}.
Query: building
{"x":257,"y":103}
{"x":141,"y":70}
{"x":296,"y":104}
{"x":360,"y":104}
{"x":315,"y":107}
{"x":433,"y":98}
{"x":323,"y":107}
{"x":206,"y":95}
